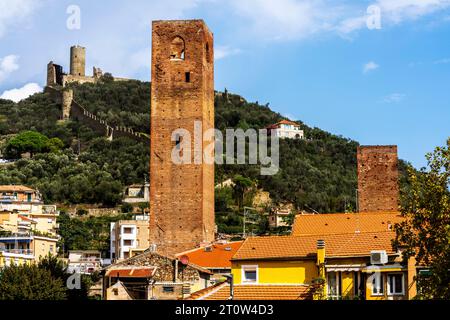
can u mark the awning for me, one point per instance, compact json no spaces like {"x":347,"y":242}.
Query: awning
{"x":142,"y":272}
{"x":344,"y":267}
{"x":384,"y":268}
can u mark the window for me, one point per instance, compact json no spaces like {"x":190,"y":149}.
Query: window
{"x":249,"y":274}
{"x":334,"y":284}
{"x":51,"y":248}
{"x":377,"y":284}
{"x":128,"y":230}
{"x":178,"y":141}
{"x":177,"y":49}
{"x":396,"y":284}
{"x":168,"y":289}
{"x":127,"y":242}
{"x":359,"y":284}
{"x":187,"y":77}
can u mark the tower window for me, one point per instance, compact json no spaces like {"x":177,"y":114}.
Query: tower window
{"x":178,"y":142}
{"x":187,"y":77}
{"x":177,"y":49}
{"x":207,"y":52}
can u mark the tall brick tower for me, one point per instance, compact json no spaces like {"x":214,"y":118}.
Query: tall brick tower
{"x":378,"y":188}
{"x":181,"y":196}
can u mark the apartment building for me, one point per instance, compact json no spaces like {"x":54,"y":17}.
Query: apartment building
{"x":129,"y":237}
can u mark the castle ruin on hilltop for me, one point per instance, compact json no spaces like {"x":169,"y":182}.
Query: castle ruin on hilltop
{"x":57,"y":77}
{"x":57,"y":81}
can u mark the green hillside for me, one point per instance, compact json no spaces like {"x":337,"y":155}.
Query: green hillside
{"x":318,"y":173}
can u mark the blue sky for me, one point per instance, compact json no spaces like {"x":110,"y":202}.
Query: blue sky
{"x":312,"y":60}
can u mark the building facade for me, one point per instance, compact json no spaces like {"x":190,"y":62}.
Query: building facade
{"x":129,"y":237}
{"x":287,"y":129}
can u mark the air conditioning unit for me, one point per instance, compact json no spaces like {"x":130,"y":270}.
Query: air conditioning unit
{"x":153,"y":248}
{"x":378,"y":257}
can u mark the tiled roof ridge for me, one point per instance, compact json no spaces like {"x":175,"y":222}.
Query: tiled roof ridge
{"x":206,"y":292}
{"x":341,"y":233}
{"x":215,"y":245}
{"x":139,"y":256}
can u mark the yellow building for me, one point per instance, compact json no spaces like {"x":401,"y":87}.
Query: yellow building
{"x":351,"y":255}
{"x":17,"y":249}
{"x":22,"y":209}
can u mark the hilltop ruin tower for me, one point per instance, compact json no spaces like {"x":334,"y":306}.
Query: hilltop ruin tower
{"x":78,"y":61}
{"x":378,"y":188}
{"x":182,"y":92}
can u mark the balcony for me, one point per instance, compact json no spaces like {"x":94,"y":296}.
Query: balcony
{"x":27,"y":252}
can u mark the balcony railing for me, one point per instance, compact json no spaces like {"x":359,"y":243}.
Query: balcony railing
{"x":27,"y":252}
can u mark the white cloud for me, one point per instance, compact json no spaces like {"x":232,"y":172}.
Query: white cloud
{"x":442,"y":61}
{"x":297,"y":19}
{"x":286,"y":19}
{"x":397,"y":11}
{"x":21,"y":93}
{"x":394,"y":98}
{"x":370,"y":66}
{"x":13,"y":11}
{"x":221,"y":52}
{"x":8,"y":65}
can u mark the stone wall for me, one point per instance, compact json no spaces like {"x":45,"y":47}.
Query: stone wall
{"x":378,"y":188}
{"x":182,"y":196}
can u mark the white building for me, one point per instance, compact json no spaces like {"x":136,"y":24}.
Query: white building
{"x":287,"y":129}
{"x":129,"y":237}
{"x":84,"y":262}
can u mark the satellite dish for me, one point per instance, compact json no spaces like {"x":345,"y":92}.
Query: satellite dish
{"x":184,"y":260}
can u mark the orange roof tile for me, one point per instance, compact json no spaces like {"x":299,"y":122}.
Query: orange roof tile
{"x":254,"y":292}
{"x":334,"y":223}
{"x":142,"y":272}
{"x":303,"y":247}
{"x":276,"y":125}
{"x":219,"y":256}
{"x":11,"y":188}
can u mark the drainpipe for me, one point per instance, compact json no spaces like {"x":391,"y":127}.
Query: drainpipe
{"x":231,"y":282}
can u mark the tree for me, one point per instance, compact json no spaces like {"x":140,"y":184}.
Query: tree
{"x":59,"y":271}
{"x":241,"y":186}
{"x":27,"y":141}
{"x":425,"y":233}
{"x":30,"y":282}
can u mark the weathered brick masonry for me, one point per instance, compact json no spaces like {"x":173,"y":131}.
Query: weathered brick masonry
{"x":181,"y":196}
{"x":377,"y":178}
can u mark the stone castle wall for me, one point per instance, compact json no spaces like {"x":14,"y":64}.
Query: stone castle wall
{"x":72,"y":109}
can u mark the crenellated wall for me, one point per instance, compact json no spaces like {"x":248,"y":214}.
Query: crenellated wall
{"x":72,"y":109}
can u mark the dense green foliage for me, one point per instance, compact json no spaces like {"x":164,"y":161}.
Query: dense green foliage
{"x":31,"y":142}
{"x":46,"y":280}
{"x":316,"y":174}
{"x":91,"y":233}
{"x":123,"y":103}
{"x":425,"y":233}
{"x":30,"y":282}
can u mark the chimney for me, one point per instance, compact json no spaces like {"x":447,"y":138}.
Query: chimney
{"x":321,"y":257}
{"x":378,"y":188}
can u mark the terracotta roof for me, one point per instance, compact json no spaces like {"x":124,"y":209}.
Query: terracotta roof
{"x":141,"y":272}
{"x":335,"y":223}
{"x":219,"y":256}
{"x":142,"y":257}
{"x":27,"y":219}
{"x":254,"y":292}
{"x":276,"y":125}
{"x":303,"y":247}
{"x":6,"y":188}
